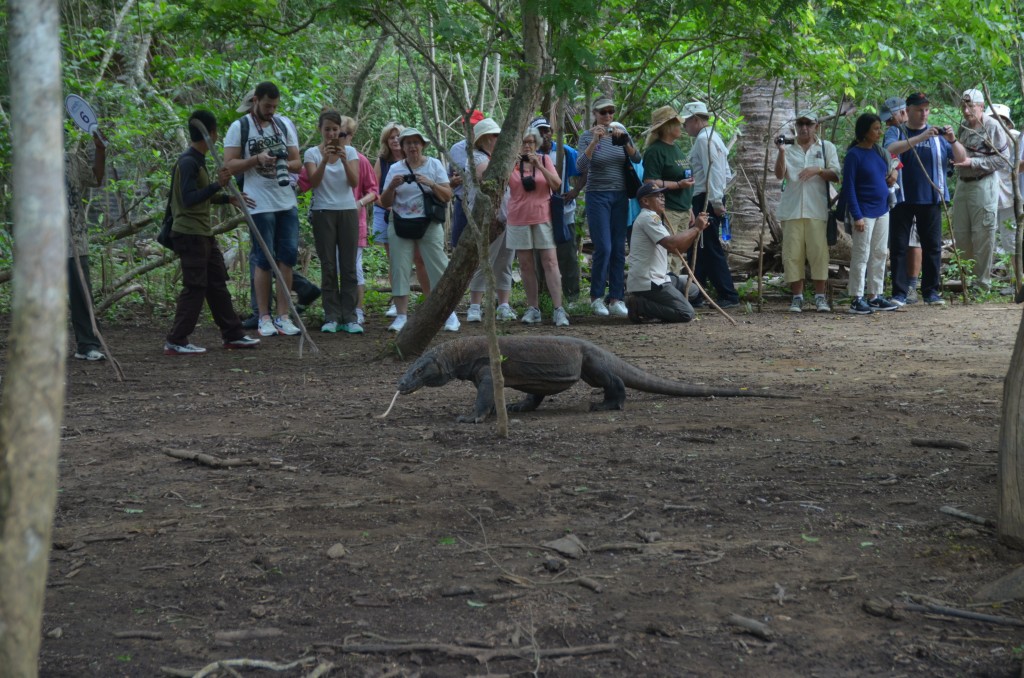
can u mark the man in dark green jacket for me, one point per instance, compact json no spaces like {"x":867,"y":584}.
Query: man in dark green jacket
{"x":203,"y":272}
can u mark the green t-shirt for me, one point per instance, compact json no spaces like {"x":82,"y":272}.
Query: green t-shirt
{"x":667,"y":162}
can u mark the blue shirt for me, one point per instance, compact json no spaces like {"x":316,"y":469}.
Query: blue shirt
{"x":917,"y":190}
{"x":864,"y":188}
{"x":894,"y":133}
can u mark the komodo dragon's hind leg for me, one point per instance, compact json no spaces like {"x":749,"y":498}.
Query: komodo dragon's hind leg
{"x":614,"y":389}
{"x":527,"y":404}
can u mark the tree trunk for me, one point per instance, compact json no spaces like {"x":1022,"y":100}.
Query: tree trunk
{"x":756,"y":109}
{"x":33,"y":397}
{"x":1011,"y":450}
{"x":428,"y":319}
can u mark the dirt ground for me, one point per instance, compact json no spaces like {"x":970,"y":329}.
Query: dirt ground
{"x":793,"y":513}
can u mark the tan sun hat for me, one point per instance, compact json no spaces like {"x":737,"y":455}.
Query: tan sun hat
{"x":661,"y":116}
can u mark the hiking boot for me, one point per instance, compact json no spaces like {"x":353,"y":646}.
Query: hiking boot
{"x":266,"y":326}
{"x":821,"y":304}
{"x":728,"y":304}
{"x":860,"y":307}
{"x":532,"y":316}
{"x":329,"y":327}
{"x":452,"y":324}
{"x":599,"y":308}
{"x":285,"y":326}
{"x":561,"y":317}
{"x":398,"y":324}
{"x":351,"y":328}
{"x":933,"y":299}
{"x":392,"y":312}
{"x":505,"y":312}
{"x":900,"y":300}
{"x":797,"y":305}
{"x":912,"y":295}
{"x":187,"y":349}
{"x":633,"y":310}
{"x":880,"y":303}
{"x":618,"y":309}
{"x":92,"y":355}
{"x":474,"y":314}
{"x":244,"y":342}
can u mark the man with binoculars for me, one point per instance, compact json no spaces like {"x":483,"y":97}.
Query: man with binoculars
{"x":269,"y":153}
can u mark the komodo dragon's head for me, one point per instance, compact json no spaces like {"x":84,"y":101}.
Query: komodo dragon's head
{"x":426,"y":371}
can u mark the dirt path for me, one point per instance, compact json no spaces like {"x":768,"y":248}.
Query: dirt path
{"x":790,"y":512}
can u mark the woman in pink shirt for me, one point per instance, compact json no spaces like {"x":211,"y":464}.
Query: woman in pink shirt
{"x":529,"y":226}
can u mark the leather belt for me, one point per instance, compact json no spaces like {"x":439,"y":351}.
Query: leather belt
{"x":977,"y":178}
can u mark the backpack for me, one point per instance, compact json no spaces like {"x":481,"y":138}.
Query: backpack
{"x":244,"y":130}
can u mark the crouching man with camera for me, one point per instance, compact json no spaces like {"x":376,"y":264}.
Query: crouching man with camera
{"x":269,"y":154}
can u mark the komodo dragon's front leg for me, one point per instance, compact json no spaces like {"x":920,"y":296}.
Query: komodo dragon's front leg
{"x":484,"y":406}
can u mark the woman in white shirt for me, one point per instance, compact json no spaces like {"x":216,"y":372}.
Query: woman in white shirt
{"x":333,"y":170}
{"x":405,"y":193}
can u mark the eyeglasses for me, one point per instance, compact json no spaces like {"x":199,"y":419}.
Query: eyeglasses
{"x":607,"y":111}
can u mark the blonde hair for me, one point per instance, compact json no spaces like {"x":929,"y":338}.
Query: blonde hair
{"x":389,"y":129}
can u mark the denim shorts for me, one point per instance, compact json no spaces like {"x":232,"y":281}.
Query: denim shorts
{"x":280,"y":230}
{"x":380,"y":227}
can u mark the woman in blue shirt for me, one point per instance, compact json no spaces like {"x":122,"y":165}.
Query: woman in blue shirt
{"x":866,"y":180}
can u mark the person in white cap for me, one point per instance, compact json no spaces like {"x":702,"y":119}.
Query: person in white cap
{"x":976,"y":202}
{"x":711,"y":175}
{"x":809,"y":165}
{"x":1005,"y":217}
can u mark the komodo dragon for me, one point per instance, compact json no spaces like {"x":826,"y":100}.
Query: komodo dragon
{"x":542,"y":366}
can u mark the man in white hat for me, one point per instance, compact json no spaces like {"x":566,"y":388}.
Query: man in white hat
{"x":976,"y":202}
{"x":808,"y":165}
{"x":711,"y":175}
{"x":1005,"y":217}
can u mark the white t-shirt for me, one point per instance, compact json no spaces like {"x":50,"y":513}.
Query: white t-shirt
{"x":408,"y":197}
{"x":648,"y":261}
{"x":333,"y":193}
{"x":261,"y":182}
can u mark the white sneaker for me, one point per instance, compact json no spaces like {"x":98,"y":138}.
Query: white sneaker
{"x":618,"y":309}
{"x":532,"y":316}
{"x":452,"y":324}
{"x":797,"y":305}
{"x":392,"y":311}
{"x":474,"y":315}
{"x":360,"y":316}
{"x":285,"y":326}
{"x":266,"y":327}
{"x":505,"y":312}
{"x":821,"y":305}
{"x":398,"y":324}
{"x":561,"y":317}
{"x":351,"y":328}
{"x":90,"y":355}
{"x":599,"y":307}
{"x":187,"y":349}
{"x":330,"y":327}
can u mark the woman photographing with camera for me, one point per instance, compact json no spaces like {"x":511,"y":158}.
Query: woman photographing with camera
{"x":603,"y":153}
{"x":529,"y":226}
{"x":417,"y":192}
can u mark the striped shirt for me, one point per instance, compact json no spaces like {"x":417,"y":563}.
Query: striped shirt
{"x":607,"y":169}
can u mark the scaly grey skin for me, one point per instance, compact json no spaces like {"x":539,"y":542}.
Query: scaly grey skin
{"x":543,"y":366}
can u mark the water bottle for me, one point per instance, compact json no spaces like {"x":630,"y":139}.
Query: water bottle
{"x":726,"y":229}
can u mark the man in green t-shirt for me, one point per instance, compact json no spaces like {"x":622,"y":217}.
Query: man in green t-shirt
{"x":665,"y":166}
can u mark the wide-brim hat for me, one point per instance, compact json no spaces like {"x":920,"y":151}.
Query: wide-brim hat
{"x":412,"y":132}
{"x":695,"y":108}
{"x":662,"y":116}
{"x":485,"y":126}
{"x":246,"y":104}
{"x":1002,"y":110}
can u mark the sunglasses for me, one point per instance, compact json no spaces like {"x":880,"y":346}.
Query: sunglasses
{"x":607,"y":111}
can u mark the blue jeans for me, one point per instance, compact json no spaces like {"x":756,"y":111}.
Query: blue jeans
{"x":459,"y":221}
{"x":280,"y":230}
{"x":607,"y":214}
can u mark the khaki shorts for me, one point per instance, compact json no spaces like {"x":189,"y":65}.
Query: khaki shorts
{"x":532,"y":237}
{"x":804,"y":240}
{"x":676,"y":222}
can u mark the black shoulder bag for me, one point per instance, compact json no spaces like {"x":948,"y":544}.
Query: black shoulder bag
{"x":633,"y":182}
{"x":416,"y":227}
{"x":832,"y":220}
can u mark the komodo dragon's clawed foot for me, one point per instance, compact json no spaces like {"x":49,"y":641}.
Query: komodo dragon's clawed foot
{"x":527,"y":404}
{"x":607,"y":405}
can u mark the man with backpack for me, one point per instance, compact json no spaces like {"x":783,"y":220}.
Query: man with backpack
{"x":264,"y":149}
{"x":203,"y":272}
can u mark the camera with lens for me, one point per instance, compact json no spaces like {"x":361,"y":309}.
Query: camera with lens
{"x":529,"y":184}
{"x":408,"y":178}
{"x":620,"y":140}
{"x":280,"y":156}
{"x":783,"y":139}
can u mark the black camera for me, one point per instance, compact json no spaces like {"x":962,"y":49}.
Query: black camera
{"x":783,"y":139}
{"x":529,"y":184}
{"x":284,"y":177}
{"x":524,"y":158}
{"x":408,"y":178}
{"x":620,"y":140}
